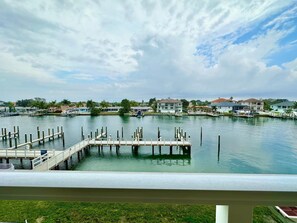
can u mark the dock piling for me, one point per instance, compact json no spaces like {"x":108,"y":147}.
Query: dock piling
{"x":201,"y":136}
{"x":9,"y":136}
{"x":219,"y":146}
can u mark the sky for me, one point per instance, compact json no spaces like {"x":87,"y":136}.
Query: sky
{"x":115,"y":49}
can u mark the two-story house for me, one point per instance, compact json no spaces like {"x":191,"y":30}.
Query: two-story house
{"x":169,"y":106}
{"x":253,"y":104}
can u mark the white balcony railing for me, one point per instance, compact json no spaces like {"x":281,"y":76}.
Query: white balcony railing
{"x":234,"y":194}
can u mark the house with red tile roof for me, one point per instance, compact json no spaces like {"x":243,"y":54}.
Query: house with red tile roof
{"x":220,"y":100}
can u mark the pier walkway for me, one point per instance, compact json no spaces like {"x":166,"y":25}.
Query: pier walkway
{"x":50,"y":161}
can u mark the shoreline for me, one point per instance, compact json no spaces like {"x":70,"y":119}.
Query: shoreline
{"x":163,"y":114}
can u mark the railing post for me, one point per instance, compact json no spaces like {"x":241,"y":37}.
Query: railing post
{"x":222,"y":213}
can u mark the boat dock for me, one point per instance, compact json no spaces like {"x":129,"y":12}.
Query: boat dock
{"x":47,"y":160}
{"x":53,"y":160}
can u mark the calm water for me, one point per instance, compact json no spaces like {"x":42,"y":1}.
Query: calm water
{"x":260,"y":145}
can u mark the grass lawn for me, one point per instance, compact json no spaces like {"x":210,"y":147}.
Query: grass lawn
{"x":48,"y":211}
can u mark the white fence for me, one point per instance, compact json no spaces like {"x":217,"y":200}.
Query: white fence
{"x":234,"y":194}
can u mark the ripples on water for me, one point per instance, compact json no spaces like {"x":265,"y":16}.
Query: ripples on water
{"x":259,"y":145}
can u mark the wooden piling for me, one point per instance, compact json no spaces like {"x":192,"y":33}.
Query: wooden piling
{"x":201,"y":136}
{"x":43,"y":137}
{"x":118,"y":135}
{"x":122,"y":132}
{"x":26,"y":139}
{"x":38,"y":134}
{"x":15,"y":142}
{"x":219,"y":146}
{"x":49,"y":133}
{"x":63,"y":139}
{"x":158,"y":134}
{"x":153,"y":150}
{"x":5,"y":134}
{"x":82,"y":133}
{"x":91,"y":134}
{"x":58,"y":131}
{"x":53,"y":134}
{"x":18,"y":131}
{"x":9,"y":136}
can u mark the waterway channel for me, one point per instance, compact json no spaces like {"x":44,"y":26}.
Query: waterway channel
{"x":256,"y":145}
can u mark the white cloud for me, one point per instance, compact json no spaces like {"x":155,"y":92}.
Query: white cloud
{"x":84,"y":77}
{"x":144,"y":48}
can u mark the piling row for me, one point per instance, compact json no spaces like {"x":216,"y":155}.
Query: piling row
{"x":6,"y":135}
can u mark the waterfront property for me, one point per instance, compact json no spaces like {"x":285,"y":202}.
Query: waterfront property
{"x":169,"y":106}
{"x":283,"y":106}
{"x":225,"y":107}
{"x":253,"y":104}
{"x":76,"y":111}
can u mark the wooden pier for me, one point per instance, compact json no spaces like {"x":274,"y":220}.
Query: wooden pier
{"x":41,"y":138}
{"x":48,"y":162}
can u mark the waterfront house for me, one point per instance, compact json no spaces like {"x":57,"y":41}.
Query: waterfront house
{"x":283,"y":106}
{"x":111,"y":109}
{"x":142,"y":109}
{"x":253,"y":104}
{"x":25,"y":110}
{"x":225,"y":107}
{"x":169,"y":106}
{"x":76,"y":111}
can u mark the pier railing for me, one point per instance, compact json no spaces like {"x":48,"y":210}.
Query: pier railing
{"x":46,"y":162}
{"x":234,"y":194}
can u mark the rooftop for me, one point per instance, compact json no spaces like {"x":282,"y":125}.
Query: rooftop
{"x":252,"y":100}
{"x":227,"y":104}
{"x":169,"y":100}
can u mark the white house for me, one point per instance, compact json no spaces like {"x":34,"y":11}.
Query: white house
{"x":224,"y":107}
{"x":111,"y":109}
{"x":283,"y":106}
{"x":169,"y":106}
{"x":253,"y":104}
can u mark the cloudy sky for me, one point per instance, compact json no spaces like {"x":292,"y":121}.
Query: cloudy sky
{"x":92,"y":49}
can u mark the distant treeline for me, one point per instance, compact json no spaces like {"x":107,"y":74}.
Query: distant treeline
{"x":41,"y":103}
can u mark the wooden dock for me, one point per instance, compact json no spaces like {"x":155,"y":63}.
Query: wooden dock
{"x":38,"y":140}
{"x":48,"y":162}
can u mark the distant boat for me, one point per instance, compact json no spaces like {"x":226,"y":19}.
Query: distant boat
{"x":212,"y":114}
{"x":68,"y":114}
{"x":139,"y":114}
{"x":178,"y":114}
{"x":245,"y":115}
{"x":7,"y":114}
{"x":37,"y":114}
